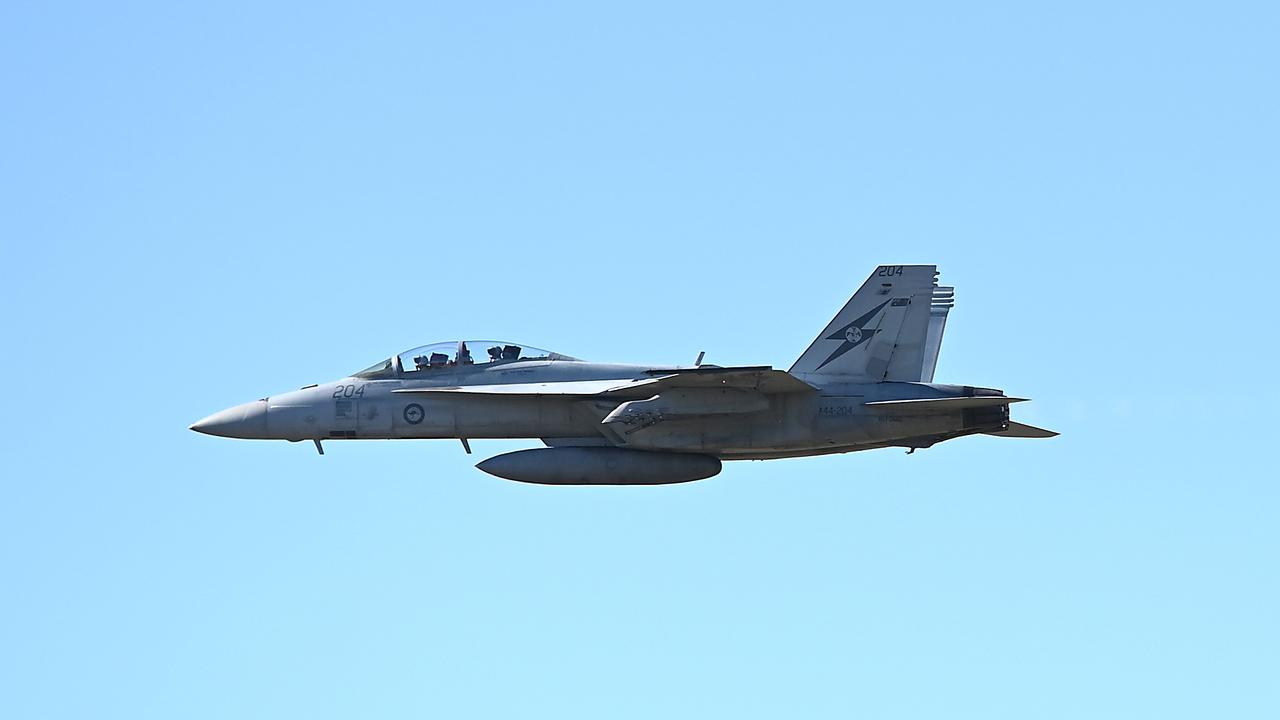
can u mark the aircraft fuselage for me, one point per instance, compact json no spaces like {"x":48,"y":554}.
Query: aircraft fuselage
{"x":834,"y":419}
{"x":865,"y":382}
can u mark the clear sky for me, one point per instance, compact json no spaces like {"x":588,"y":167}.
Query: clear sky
{"x":201,"y":205}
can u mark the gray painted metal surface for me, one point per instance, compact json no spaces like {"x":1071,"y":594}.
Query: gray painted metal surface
{"x":600,"y":466}
{"x":865,"y":382}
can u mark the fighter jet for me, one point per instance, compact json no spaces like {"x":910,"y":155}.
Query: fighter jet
{"x":866,"y":382}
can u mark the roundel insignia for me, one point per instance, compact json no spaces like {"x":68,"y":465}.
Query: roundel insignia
{"x":853,"y":334}
{"x":413,"y":414}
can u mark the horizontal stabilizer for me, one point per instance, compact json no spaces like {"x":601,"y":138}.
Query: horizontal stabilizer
{"x":1018,"y":430}
{"x":944,"y":404}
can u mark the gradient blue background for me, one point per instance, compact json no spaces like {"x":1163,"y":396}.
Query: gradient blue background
{"x":203,"y":205}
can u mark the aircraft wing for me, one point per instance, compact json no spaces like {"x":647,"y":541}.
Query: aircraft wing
{"x":944,"y":404}
{"x":585,"y":388}
{"x":762,"y":379}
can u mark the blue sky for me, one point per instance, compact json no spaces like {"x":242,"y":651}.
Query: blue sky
{"x":204,"y":205}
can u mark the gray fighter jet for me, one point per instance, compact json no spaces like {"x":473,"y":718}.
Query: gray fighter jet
{"x":865,"y":382}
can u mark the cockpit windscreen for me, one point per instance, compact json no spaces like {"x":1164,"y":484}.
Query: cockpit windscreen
{"x":459,"y":353}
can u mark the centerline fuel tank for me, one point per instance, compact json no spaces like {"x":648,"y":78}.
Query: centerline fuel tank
{"x":600,"y":466}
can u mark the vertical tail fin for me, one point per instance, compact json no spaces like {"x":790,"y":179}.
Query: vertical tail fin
{"x":890,"y":330}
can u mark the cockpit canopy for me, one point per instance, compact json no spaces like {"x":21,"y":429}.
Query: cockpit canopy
{"x":457,"y":353}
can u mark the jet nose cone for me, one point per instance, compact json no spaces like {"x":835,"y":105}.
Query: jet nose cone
{"x":242,"y":421}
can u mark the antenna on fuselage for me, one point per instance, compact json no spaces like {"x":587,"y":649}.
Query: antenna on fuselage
{"x":698,"y":362}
